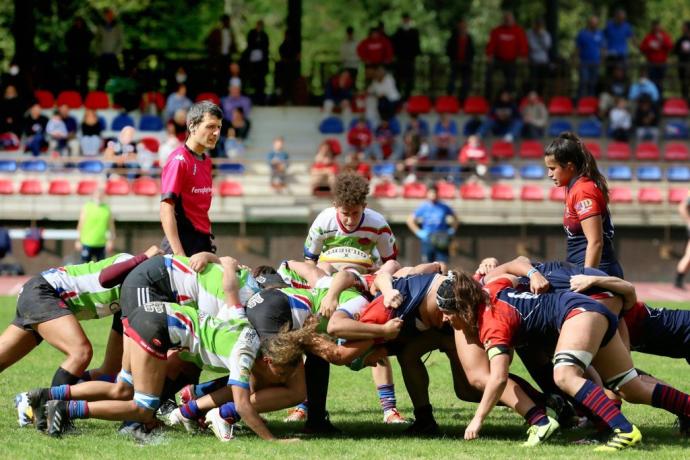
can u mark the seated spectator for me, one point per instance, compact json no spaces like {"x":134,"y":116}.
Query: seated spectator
{"x":418,"y":126}
{"x":356,"y":162}
{"x":278,"y":162}
{"x":90,"y":140}
{"x":235,"y":99}
{"x":56,"y":131}
{"x":177,"y":101}
{"x":504,"y":118}
{"x":233,"y":146}
{"x":240,"y":123}
{"x":383,"y":97}
{"x":169,"y":145}
{"x":71,"y":125}
{"x":324,"y":169}
{"x":179,"y":124}
{"x":620,"y":121}
{"x":338,"y":93}
{"x":535,"y":116}
{"x":644,"y":86}
{"x":445,"y":138}
{"x":617,"y":87}
{"x":360,"y":136}
{"x":122,"y":152}
{"x":646,"y":120}
{"x":473,"y":152}
{"x":34,"y":130}
{"x":12,"y":111}
{"x":385,"y":146}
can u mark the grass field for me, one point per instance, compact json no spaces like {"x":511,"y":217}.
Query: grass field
{"x":353,"y":405}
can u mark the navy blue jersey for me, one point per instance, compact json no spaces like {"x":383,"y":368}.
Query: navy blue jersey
{"x":558,"y":274}
{"x":659,"y":331}
{"x":413,"y":290}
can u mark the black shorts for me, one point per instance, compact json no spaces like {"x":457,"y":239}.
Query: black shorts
{"x":193,"y":241}
{"x":268,"y":311}
{"x":147,"y":282}
{"x":37,"y":303}
{"x":148,"y":327}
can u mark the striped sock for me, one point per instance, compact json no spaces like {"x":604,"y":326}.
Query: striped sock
{"x":61,"y":393}
{"x":78,"y":409}
{"x":670,"y":399}
{"x":303,"y":405}
{"x":536,"y":416}
{"x":190,"y":410}
{"x":229,"y":413}
{"x":593,"y":398}
{"x":387,"y":396}
{"x":204,"y":388}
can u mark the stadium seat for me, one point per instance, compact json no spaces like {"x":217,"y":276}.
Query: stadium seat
{"x":647,"y":151}
{"x":44,"y":98}
{"x":385,"y":189}
{"x":531,"y":150}
{"x":71,"y":98}
{"x":6,"y":187}
{"x":620,"y":195}
{"x":472,"y":191}
{"x":97,"y":100}
{"x":151,"y":144}
{"x":560,"y":105}
{"x":557,"y":194}
{"x":91,"y":167}
{"x":447,"y":104}
{"x":117,"y":187}
{"x":532,"y":171}
{"x":676,"y":130}
{"x":231,"y":188}
{"x":502,"y":150}
{"x":31,"y":187}
{"x":650,"y":195}
{"x":502,"y":192}
{"x":589,"y":129}
{"x":208,"y":96}
{"x":619,"y":151}
{"x":414,"y":190}
{"x":594,"y":148}
{"x":8,"y":166}
{"x":87,"y":186}
{"x":35,"y":166}
{"x":675,"y":107}
{"x":9,"y":142}
{"x":59,"y":187}
{"x":677,"y":195}
{"x":154,"y":98}
{"x":418,"y":104}
{"x":476,"y":105}
{"x":619,"y":172}
{"x":332,"y":125}
{"x":649,"y":173}
{"x":558,"y":126}
{"x":587,"y":106}
{"x":145,"y":186}
{"x":676,"y":151}
{"x":678,"y":174}
{"x":120,"y":121}
{"x":502,"y":171}
{"x":231,"y":168}
{"x":384,"y":169}
{"x":446,"y":190}
{"x":151,"y":123}
{"x":532,"y":193}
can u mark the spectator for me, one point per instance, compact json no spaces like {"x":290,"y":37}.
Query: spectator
{"x":221,"y":44}
{"x":445,"y":138}
{"x":383,"y":96}
{"x":109,"y":38}
{"x":535,"y":116}
{"x":179,"y":124}
{"x":348,"y":54}
{"x":169,"y":145}
{"x":412,"y":151}
{"x":418,"y":126}
{"x":376,"y":49}
{"x":406,"y":49}
{"x":644,"y":86}
{"x":473,"y":156}
{"x":122,"y":152}
{"x":539,"y":42}
{"x":682,"y":50}
{"x":617,"y":33}
{"x":356,"y":162}
{"x":589,"y":43}
{"x":287,"y":70}
{"x":278,"y":162}
{"x":96,"y":229}
{"x":507,"y":43}
{"x":235,"y":73}
{"x":460,"y":52}
{"x":34,"y":130}
{"x":504,"y":118}
{"x":620,"y":121}
{"x":71,"y":125}
{"x":56,"y":131}
{"x":385,"y":146}
{"x":656,"y":47}
{"x":256,"y":59}
{"x":234,"y":147}
{"x":12,"y":110}
{"x":240,"y":123}
{"x":360,"y":136}
{"x":176,"y":101}
{"x":434,"y":223}
{"x":324,"y":169}
{"x":90,"y":140}
{"x":15,"y":76}
{"x":78,"y":44}
{"x":338,"y":92}
{"x":619,"y":86}
{"x":235,"y":99}
{"x":646,"y":120}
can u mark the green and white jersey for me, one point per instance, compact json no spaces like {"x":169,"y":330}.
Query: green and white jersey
{"x":307,"y":302}
{"x":78,"y":287}
{"x":329,"y":241}
{"x":213,"y":344}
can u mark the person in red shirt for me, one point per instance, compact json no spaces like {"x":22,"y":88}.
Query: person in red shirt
{"x":360,"y":136}
{"x":324,"y":169}
{"x":473,"y":156}
{"x":656,"y":46}
{"x":507,"y":44}
{"x":376,"y":49}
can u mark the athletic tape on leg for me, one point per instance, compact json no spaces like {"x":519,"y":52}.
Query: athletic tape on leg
{"x":616,"y":382}
{"x":147,"y":401}
{"x":578,"y":358}
{"x":126,"y":377}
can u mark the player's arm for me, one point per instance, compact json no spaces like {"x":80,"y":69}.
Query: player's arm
{"x":249,"y":414}
{"x":499,"y":363}
{"x":520,"y":266}
{"x":200,"y":260}
{"x":314,"y":243}
{"x":277,"y":397}
{"x":342,"y":326}
{"x":391,"y":296}
{"x":115,"y":274}
{"x":412,"y":223}
{"x":593,"y":229}
{"x":341,"y":281}
{"x":307,"y":270}
{"x":230,"y":281}
{"x":683,"y":210}
{"x":338,"y":354}
{"x":580,"y":283}
{"x":169,"y":223}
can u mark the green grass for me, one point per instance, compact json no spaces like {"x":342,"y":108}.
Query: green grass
{"x":353,"y":405}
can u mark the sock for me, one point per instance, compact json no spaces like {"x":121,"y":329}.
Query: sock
{"x":229,"y":413}
{"x":536,"y":416}
{"x":201,"y":389}
{"x":593,"y":398}
{"x":88,"y":377}
{"x":670,"y":399}
{"x":387,"y":396}
{"x":679,"y":279}
{"x":190,"y":410}
{"x":63,"y":377}
{"x":78,"y":409}
{"x":61,"y":393}
{"x":534,"y":394}
{"x":304,"y":405}
{"x":424,"y":415}
{"x":317,"y":373}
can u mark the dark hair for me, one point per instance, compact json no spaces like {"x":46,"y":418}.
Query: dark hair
{"x":569,"y":148}
{"x":197,"y":111}
{"x":263,"y":270}
{"x":469,"y":298}
{"x":350,"y":190}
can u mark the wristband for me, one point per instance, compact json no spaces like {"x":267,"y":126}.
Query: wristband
{"x":531,"y":272}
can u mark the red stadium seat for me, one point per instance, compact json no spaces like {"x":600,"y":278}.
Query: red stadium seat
{"x":31,"y":187}
{"x":97,"y":100}
{"x":620,"y":195}
{"x":532,"y":193}
{"x":476,"y":105}
{"x":59,"y":187}
{"x":647,"y":151}
{"x":117,"y":187}
{"x":145,"y":186}
{"x":675,"y":107}
{"x":385,"y":190}
{"x":557,"y":194}
{"x":445,"y":190}
{"x":651,"y":195}
{"x":447,"y":104}
{"x":472,"y":191}
{"x":152,"y":98}
{"x":414,"y":190}
{"x":231,"y":188}
{"x":208,"y":96}
{"x":45,"y":98}
{"x":618,"y":151}
{"x":502,"y":150}
{"x":86,"y":187}
{"x":151,"y":144}
{"x":502,"y":192}
{"x":587,"y":106}
{"x":594,"y":148}
{"x":71,"y":98}
{"x":531,"y":150}
{"x":560,"y":105}
{"x":418,"y":104}
{"x":677,"y":194}
{"x":676,"y":151}
{"x":6,"y":187}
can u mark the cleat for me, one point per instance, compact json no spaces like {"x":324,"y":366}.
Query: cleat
{"x":621,"y":440}
{"x":37,"y":399}
{"x":24,"y":411}
{"x":683,"y":425}
{"x":166,"y":408}
{"x":561,"y":410}
{"x":56,"y":417}
{"x":322,"y":427}
{"x":176,"y":418}
{"x":222,"y":428}
{"x":540,"y":433}
{"x":419,"y":428}
{"x":187,"y":394}
{"x":297,"y":414}
{"x":393,"y":417}
{"x":126,"y":428}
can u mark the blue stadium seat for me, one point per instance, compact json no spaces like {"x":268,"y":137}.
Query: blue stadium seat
{"x":450,"y":172}
{"x":589,"y":128}
{"x":649,"y":173}
{"x":678,"y":174}
{"x":502,"y":171}
{"x":231,"y":168}
{"x":558,"y":126}
{"x":331,"y":125}
{"x":120,"y":121}
{"x":90,"y":167}
{"x":8,"y":166}
{"x":34,"y":166}
{"x":676,"y":130}
{"x":619,"y":172}
{"x":532,"y":171}
{"x":150,"y":123}
{"x":384,"y":169}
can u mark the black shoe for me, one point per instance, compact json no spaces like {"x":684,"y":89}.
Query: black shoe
{"x":166,"y":408}
{"x":564,"y":412}
{"x":683,"y":424}
{"x":320,"y":427}
{"x":427,"y":428}
{"x":38,"y":397}
{"x":57,"y":417}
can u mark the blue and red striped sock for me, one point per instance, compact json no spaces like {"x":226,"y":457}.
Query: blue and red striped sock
{"x":78,"y":409}
{"x":229,"y":413}
{"x":536,"y":416}
{"x":190,"y":410}
{"x":670,"y":399}
{"x":593,"y":398}
{"x":61,"y":393}
{"x":387,"y":396}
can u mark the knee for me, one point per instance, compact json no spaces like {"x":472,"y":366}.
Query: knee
{"x":122,"y":391}
{"x":82,"y":353}
{"x":477,"y":380}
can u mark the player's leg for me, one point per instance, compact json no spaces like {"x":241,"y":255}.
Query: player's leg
{"x":382,"y":374}
{"x":112,"y":360}
{"x":15,"y":343}
{"x":66,"y":334}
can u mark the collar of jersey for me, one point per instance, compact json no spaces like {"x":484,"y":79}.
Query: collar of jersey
{"x":573,"y":180}
{"x":193,"y":153}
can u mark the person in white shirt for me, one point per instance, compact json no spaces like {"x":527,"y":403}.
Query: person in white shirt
{"x":382,"y":95}
{"x":348,"y":53}
{"x":539,"y":42}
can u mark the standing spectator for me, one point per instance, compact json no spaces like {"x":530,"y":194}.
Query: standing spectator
{"x":95,"y":230}
{"x":221,"y":45}
{"x":589,"y":43}
{"x":406,"y":49}
{"x":445,"y":138}
{"x":278,"y":162}
{"x":620,"y":121}
{"x":235,"y":99}
{"x":504,"y":118}
{"x":646,"y":120}
{"x":507,"y":43}
{"x":256,"y":59}
{"x":176,"y":101}
{"x":376,"y":49}
{"x":348,"y":54}
{"x":90,"y":140}
{"x":656,"y":46}
{"x":287,"y":70}
{"x":56,"y":132}
{"x":34,"y":130}
{"x":684,"y":262}
{"x":434,"y":223}
{"x":460,"y":52}
{"x":535,"y":116}
{"x":187,"y":184}
{"x":12,"y":111}
{"x":383,"y":96}
{"x":360,"y":136}
{"x":338,"y":92}
{"x":109,"y":38}
{"x":644,"y":86}
{"x":617,"y":33}
{"x":539,"y":41}
{"x":78,"y":43}
{"x":682,"y":50}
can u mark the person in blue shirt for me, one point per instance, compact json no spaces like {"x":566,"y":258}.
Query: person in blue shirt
{"x":644,"y":86}
{"x":590,"y":42}
{"x":278,"y":162}
{"x":434,"y":223}
{"x":617,"y":33}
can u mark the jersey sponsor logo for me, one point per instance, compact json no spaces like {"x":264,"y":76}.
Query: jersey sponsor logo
{"x":194,"y":170}
{"x":255,"y":300}
{"x":154,"y":307}
{"x":202,"y":190}
{"x":522,"y":295}
{"x":584,"y":206}
{"x":179,"y":157}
